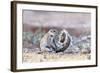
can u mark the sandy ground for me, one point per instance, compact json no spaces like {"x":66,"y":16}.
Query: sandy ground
{"x":52,"y":57}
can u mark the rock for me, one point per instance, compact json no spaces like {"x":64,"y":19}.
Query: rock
{"x":63,"y":41}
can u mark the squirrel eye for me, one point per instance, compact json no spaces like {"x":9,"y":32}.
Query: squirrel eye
{"x":51,"y":31}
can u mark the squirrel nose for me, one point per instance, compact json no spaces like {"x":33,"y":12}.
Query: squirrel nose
{"x":51,"y":35}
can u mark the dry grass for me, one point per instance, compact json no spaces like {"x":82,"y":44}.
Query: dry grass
{"x":47,"y":57}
